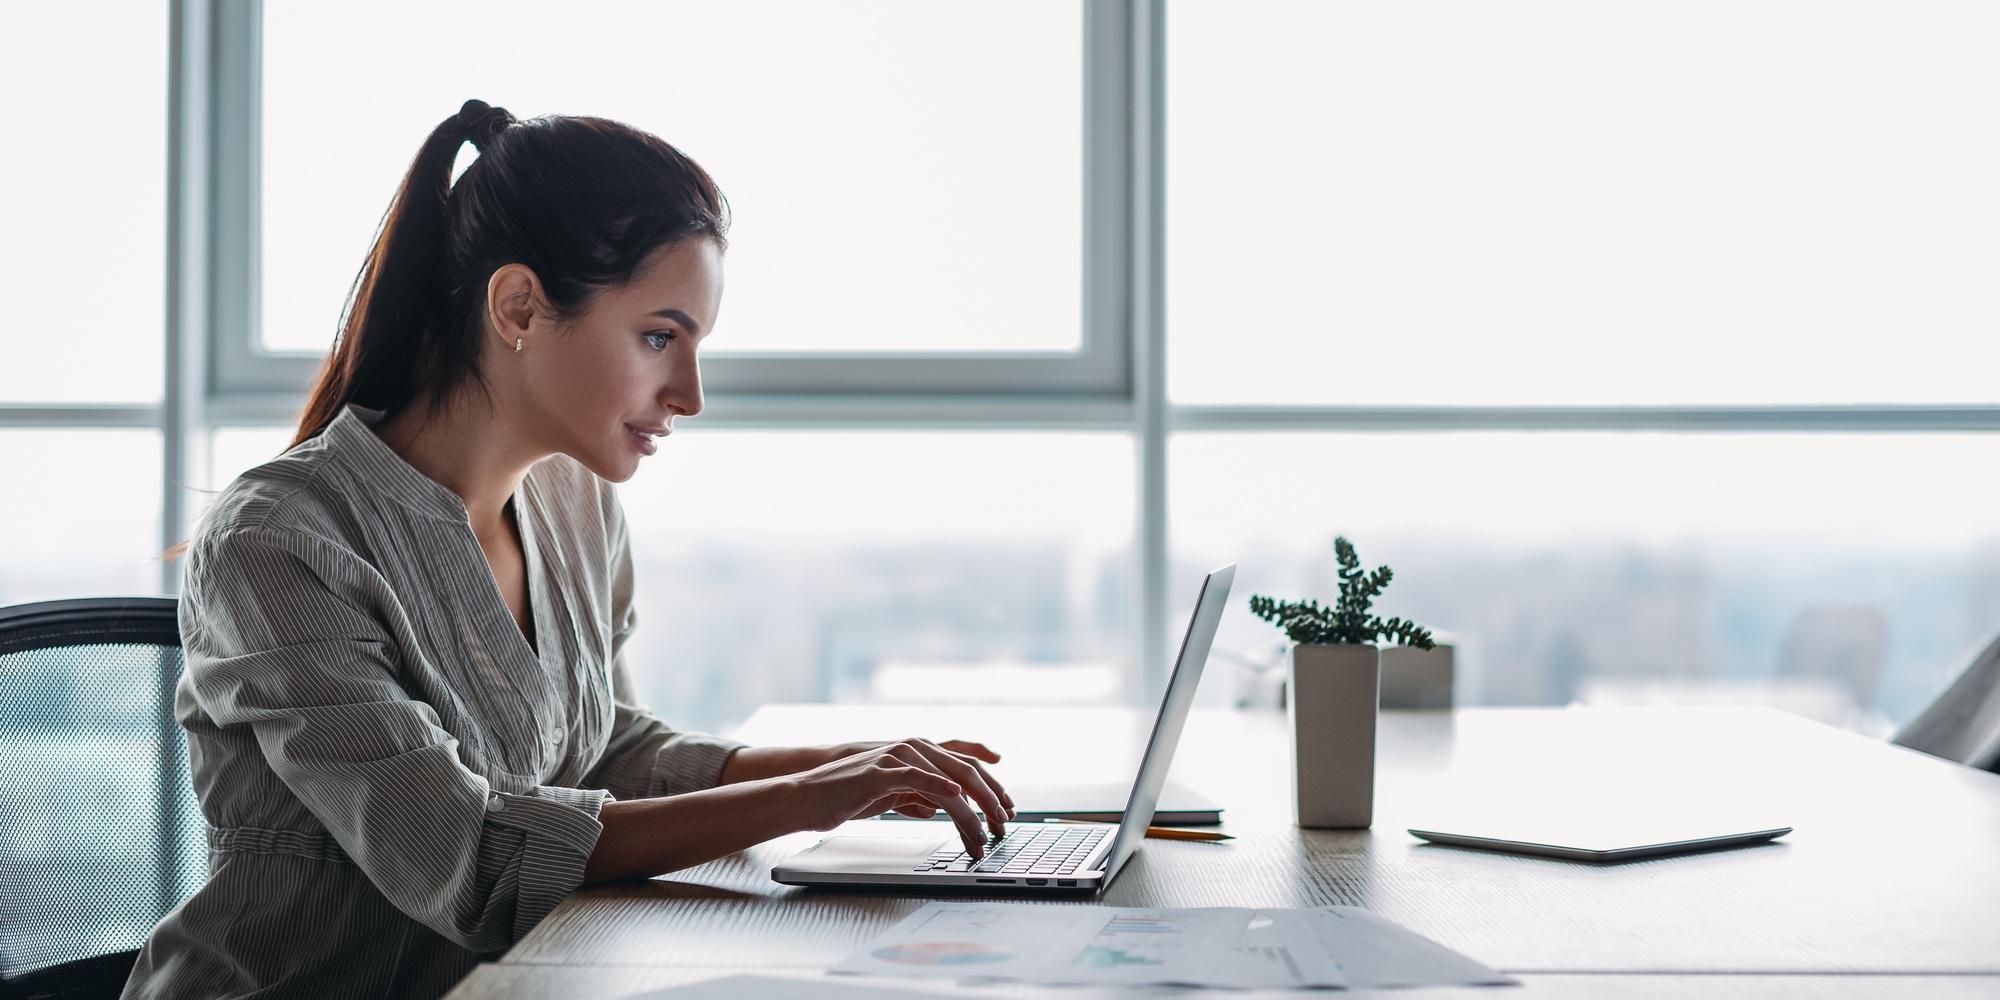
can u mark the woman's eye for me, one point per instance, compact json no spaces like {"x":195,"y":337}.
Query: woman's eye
{"x":659,"y":339}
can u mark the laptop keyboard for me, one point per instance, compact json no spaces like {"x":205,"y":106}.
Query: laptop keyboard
{"x":1058,"y":850}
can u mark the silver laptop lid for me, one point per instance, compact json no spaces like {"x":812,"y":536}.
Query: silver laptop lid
{"x":1173,"y":716}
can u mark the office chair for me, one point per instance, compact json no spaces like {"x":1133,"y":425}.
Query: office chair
{"x":100,"y":835}
{"x":1963,"y":724}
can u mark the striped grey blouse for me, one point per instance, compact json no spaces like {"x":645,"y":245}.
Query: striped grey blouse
{"x":396,"y":783}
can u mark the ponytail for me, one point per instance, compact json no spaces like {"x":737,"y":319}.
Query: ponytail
{"x":389,"y":329}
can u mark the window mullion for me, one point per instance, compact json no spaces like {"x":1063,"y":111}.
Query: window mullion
{"x":191,"y":169}
{"x":232,"y":145}
{"x":1146,"y":127}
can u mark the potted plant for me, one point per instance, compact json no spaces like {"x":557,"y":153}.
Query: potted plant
{"x":1335,"y":685}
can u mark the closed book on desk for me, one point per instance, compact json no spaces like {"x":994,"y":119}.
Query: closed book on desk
{"x":1179,"y":805}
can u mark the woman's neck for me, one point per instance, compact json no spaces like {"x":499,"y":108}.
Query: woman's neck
{"x":468,"y":449}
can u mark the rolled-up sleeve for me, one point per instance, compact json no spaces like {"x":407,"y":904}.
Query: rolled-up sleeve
{"x":646,"y":757}
{"x":286,"y":644}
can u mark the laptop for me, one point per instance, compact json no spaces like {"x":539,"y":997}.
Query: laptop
{"x":1032,"y":857}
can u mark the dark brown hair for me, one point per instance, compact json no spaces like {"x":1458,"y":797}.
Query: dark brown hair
{"x":580,"y":201}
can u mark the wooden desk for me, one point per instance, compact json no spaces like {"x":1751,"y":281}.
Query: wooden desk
{"x":1893,"y":871}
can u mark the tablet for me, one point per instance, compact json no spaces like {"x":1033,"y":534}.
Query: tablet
{"x":1588,"y":848}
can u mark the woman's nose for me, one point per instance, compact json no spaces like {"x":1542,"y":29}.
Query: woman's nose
{"x":682,"y":395}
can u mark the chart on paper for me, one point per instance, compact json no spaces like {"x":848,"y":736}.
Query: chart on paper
{"x":1101,"y":945}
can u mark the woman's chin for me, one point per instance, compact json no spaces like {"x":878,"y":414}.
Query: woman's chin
{"x":611,"y":469}
{"x":620,"y":471}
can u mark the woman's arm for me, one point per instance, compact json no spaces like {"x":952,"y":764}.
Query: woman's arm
{"x":755,"y":763}
{"x":646,"y":837}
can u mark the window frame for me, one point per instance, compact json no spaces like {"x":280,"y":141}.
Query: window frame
{"x":245,"y":369}
{"x":217,"y":375}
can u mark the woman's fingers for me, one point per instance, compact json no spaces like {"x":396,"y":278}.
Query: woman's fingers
{"x":971,"y":749}
{"x":1005,"y":799}
{"x":979,"y":752}
{"x":901,"y":802}
{"x":915,"y":807}
{"x":945,"y":793}
{"x":905,"y":803}
{"x":972,"y":777}
{"x":879,"y":806}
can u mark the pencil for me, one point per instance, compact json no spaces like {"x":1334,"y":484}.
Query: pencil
{"x":1169,"y":833}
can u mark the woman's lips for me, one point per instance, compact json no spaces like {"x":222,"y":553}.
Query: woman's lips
{"x":643,"y":438}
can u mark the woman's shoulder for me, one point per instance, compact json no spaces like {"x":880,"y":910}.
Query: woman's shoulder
{"x":295,"y":493}
{"x":301,"y":503}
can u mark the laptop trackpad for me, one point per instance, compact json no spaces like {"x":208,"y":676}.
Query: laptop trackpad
{"x":843,"y":853}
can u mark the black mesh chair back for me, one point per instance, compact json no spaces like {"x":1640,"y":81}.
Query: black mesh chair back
{"x":100,"y":835}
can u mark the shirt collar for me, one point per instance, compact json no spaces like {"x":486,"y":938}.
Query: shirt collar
{"x":353,"y":439}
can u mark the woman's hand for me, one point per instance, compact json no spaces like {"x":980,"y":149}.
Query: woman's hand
{"x":752,"y":763}
{"x":968,"y":755}
{"x":915,"y":777}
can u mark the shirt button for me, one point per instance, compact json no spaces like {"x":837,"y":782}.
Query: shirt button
{"x":494,"y":804}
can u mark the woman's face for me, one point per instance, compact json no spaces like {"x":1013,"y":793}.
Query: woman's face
{"x":605,"y":388}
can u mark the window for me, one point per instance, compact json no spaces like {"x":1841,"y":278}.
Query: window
{"x":854,"y":566}
{"x":85,"y":203}
{"x":818,"y":566}
{"x":236,"y":450}
{"x":1843,"y":576}
{"x":73,"y":525}
{"x":82,"y":348}
{"x":904,"y":174}
{"x":1648,"y":344}
{"x":1561,"y":202}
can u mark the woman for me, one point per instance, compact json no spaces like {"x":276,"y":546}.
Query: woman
{"x":409,"y":722}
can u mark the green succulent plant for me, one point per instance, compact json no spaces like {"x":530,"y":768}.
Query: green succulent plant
{"x":1347,"y":621}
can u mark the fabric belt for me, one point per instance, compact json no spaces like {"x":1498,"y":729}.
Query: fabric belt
{"x":258,"y":840}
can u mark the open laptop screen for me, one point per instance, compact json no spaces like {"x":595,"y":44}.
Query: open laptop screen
{"x":1173,"y":716}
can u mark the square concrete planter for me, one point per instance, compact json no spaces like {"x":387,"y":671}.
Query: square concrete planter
{"x":1332,"y":708}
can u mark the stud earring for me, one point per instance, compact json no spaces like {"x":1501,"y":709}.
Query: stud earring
{"x":517,"y":345}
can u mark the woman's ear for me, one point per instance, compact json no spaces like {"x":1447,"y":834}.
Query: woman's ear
{"x":513,"y":301}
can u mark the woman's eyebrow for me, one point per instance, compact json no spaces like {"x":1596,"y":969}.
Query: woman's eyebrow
{"x":693,"y":328}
